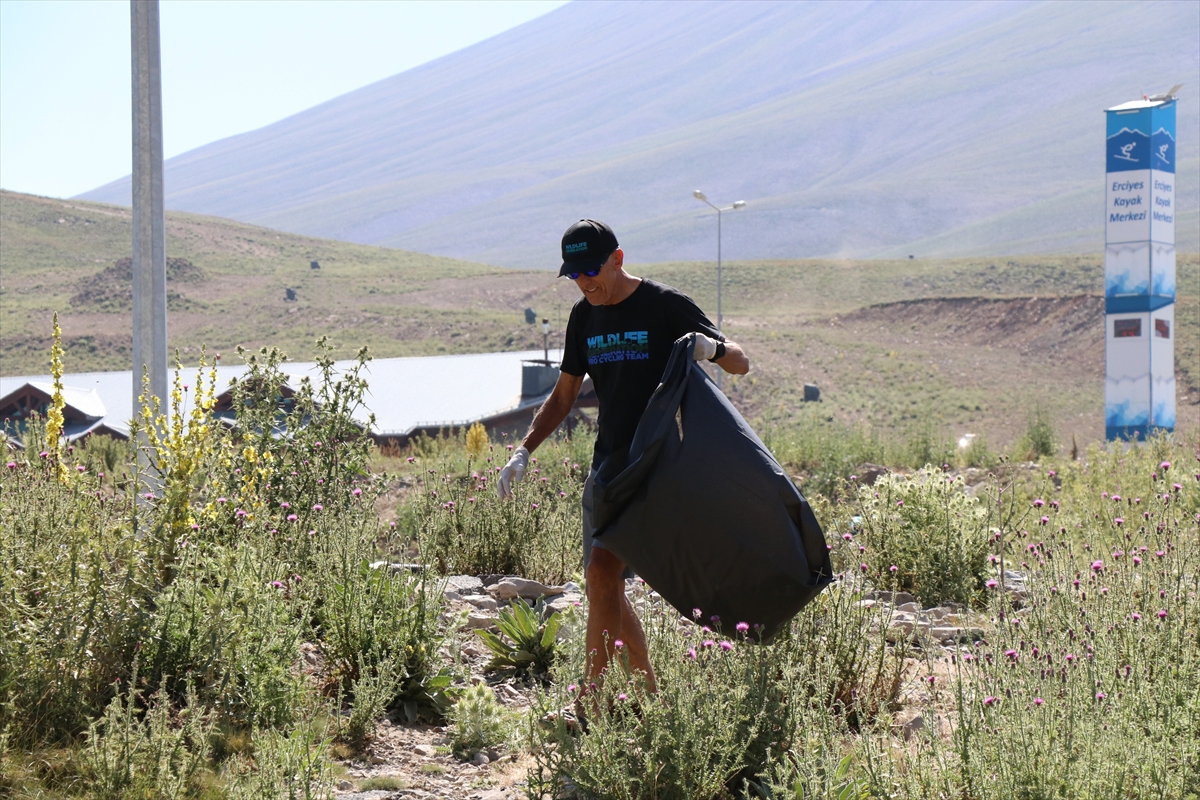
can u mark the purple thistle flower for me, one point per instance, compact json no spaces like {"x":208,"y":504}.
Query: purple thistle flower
{"x":1101,"y":696}
{"x":357,"y":492}
{"x":1135,"y":616}
{"x":692,"y":653}
{"x":893,"y":569}
{"x":622,"y":697}
{"x":742,"y":627}
{"x":292,"y":518}
{"x":285,"y":504}
{"x":618,"y":644}
{"x":1043,"y":520}
{"x":1164,"y":466}
{"x":318,"y":507}
{"x":707,"y":643}
{"x":1039,"y":503}
{"x":1116,"y":498}
{"x":989,"y":701}
{"x":991,"y":584}
{"x":696,"y":613}
{"x":1037,"y":701}
{"x":221,"y":501}
{"x":726,"y":646}
{"x":863,"y":567}
{"x":1119,"y":521}
{"x":1097,"y":566}
{"x":11,"y":465}
{"x":277,"y":584}
{"x":1162,"y":614}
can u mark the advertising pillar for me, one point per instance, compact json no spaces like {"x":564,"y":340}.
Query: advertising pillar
{"x":1139,"y":269}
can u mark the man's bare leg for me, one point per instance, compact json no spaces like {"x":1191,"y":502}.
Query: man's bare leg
{"x":612,"y":618}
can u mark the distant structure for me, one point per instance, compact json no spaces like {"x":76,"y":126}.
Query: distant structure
{"x":408,"y":397}
{"x":314,"y":265}
{"x":530,"y":316}
{"x":1139,"y":268}
{"x":289,"y":294}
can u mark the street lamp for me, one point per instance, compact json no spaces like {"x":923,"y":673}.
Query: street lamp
{"x":546,"y":341}
{"x":740,"y":204}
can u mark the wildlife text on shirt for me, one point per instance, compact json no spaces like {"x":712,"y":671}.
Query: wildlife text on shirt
{"x":609,"y":347}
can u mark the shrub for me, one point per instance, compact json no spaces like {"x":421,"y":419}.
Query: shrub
{"x":479,"y":722}
{"x":1039,"y":439}
{"x":726,"y":709}
{"x":824,"y":450}
{"x":127,"y":756}
{"x":463,"y":527}
{"x":925,"y":536}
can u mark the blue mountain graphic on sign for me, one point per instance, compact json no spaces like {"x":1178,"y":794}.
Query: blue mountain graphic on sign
{"x":1128,"y":150}
{"x":1121,"y":284}
{"x":1164,"y":284}
{"x":1120,"y":415}
{"x":1162,"y":151}
{"x":1164,"y":415}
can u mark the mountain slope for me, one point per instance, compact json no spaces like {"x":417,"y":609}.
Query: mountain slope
{"x":852,"y":129}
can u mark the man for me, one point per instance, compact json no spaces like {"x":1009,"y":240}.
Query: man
{"x":621,"y":333}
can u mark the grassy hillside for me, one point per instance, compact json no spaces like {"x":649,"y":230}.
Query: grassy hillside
{"x":945,"y":346}
{"x":60,"y":256}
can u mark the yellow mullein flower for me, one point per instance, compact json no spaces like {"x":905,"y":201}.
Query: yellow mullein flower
{"x":54,"y":415}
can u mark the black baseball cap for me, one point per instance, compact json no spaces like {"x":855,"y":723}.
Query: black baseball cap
{"x":586,"y":245}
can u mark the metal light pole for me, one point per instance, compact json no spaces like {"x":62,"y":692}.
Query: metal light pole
{"x":149,"y":237}
{"x":740,"y":204}
{"x":546,"y":341}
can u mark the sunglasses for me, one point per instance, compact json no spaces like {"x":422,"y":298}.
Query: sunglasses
{"x":591,"y":273}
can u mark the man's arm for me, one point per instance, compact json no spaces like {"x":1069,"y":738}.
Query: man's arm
{"x":548,"y":418}
{"x":735,"y":361}
{"x":554,"y":410}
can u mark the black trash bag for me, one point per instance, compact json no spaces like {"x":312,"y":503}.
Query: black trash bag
{"x":701,"y":509}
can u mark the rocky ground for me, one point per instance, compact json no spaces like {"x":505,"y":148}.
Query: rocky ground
{"x":415,"y":761}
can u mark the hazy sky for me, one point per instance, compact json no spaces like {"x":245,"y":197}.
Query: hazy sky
{"x":228,"y":67}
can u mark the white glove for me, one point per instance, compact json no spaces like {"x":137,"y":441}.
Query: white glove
{"x":513,"y":471}
{"x":706,"y":348}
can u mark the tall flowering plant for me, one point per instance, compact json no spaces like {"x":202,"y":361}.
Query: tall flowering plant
{"x":54,"y":415}
{"x":177,"y":445}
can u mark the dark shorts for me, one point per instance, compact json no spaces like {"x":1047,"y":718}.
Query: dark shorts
{"x":589,"y":529}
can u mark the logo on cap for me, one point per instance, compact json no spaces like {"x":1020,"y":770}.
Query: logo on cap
{"x":577,"y":247}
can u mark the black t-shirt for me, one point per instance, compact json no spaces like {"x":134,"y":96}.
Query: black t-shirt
{"x":625,"y":347}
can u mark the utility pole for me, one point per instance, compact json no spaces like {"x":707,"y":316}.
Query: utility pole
{"x":149,"y":234}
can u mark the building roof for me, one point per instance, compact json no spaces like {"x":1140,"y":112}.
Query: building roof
{"x":405,"y":394}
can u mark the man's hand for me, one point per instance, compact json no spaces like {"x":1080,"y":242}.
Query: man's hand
{"x":513,"y":471}
{"x":705,"y":349}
